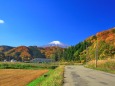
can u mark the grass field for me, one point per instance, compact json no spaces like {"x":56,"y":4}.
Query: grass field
{"x":20,"y":65}
{"x":18,"y":77}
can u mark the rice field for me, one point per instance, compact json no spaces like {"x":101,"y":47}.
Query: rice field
{"x":18,"y":77}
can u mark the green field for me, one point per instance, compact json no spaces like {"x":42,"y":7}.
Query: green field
{"x":9,"y":65}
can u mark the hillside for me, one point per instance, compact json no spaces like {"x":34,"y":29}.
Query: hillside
{"x":103,"y":42}
{"x":50,"y":52}
{"x":5,"y":48}
{"x":23,"y":53}
{"x":19,"y":53}
{"x":107,"y":36}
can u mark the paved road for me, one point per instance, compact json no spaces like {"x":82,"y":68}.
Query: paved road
{"x":80,"y":76}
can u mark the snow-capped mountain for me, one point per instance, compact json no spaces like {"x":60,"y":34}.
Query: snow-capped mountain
{"x":56,"y":43}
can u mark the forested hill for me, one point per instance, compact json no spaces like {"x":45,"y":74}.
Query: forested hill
{"x":24,"y":53}
{"x":104,"y":42}
{"x":5,"y":48}
{"x":108,"y":36}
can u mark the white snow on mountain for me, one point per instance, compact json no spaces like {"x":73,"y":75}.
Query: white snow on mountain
{"x":56,"y":43}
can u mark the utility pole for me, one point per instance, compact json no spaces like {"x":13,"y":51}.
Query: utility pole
{"x":86,"y":53}
{"x":96,"y":54}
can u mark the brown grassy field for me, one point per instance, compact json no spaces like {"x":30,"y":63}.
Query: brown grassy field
{"x":107,"y":65}
{"x":18,"y":77}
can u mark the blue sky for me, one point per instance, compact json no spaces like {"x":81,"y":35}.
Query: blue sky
{"x":38,"y":22}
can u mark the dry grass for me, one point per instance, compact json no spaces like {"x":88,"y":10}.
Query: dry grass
{"x":100,"y":62}
{"x":18,"y":77}
{"x":104,"y":65}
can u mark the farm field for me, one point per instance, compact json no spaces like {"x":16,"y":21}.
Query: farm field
{"x":18,"y":77}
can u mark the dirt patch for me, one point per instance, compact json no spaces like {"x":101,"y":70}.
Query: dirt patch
{"x":18,"y":77}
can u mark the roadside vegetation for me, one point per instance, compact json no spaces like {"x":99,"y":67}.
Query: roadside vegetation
{"x":104,"y":65}
{"x":52,"y":78}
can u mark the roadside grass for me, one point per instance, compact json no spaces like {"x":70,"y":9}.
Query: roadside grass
{"x":41,"y":78}
{"x":52,"y":78}
{"x":19,"y":65}
{"x":104,"y":65}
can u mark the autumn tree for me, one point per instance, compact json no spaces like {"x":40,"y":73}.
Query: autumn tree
{"x":2,"y":56}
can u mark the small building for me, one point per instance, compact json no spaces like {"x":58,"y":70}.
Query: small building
{"x":13,"y":60}
{"x":5,"y":60}
{"x":41,"y":60}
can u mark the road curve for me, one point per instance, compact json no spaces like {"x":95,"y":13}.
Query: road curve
{"x":81,"y":76}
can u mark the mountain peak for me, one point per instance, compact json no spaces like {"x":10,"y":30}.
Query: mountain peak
{"x":55,"y":42}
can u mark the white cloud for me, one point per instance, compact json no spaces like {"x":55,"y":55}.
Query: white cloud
{"x":1,"y":21}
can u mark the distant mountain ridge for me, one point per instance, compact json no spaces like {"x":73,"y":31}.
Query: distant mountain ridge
{"x":24,"y":53}
{"x":5,"y":48}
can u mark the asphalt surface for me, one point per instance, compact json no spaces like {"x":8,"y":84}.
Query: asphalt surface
{"x":81,"y":76}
